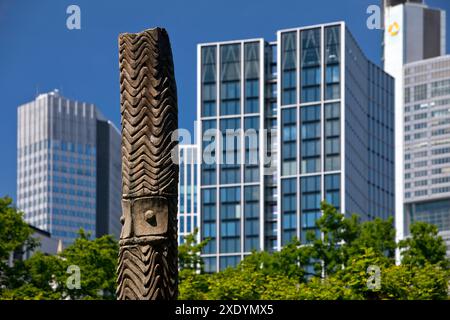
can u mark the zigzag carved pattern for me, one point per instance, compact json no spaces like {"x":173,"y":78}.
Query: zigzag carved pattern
{"x":148,"y":99}
{"x":149,"y":272}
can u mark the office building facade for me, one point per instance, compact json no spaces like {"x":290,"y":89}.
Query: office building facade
{"x":412,"y":32}
{"x":316,"y":103}
{"x":427,"y":142}
{"x":187,"y":192}
{"x":109,"y":180}
{"x":57,"y":166}
{"x":226,"y":188}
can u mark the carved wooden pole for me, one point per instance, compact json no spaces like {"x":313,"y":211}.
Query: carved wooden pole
{"x":148,"y":104}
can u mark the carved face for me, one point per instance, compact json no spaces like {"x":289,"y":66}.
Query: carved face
{"x":144,"y":217}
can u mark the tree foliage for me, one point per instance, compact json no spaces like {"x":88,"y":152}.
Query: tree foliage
{"x":14,"y":232}
{"x":189,"y":252}
{"x":44,"y":276}
{"x":345,"y":256}
{"x":352,"y":260}
{"x":423,"y":246}
{"x":97,"y":260}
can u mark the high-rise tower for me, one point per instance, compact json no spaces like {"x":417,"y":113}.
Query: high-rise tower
{"x":412,"y":32}
{"x":63,"y":183}
{"x":332,"y":111}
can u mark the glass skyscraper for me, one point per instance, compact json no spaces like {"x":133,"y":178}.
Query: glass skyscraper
{"x":187,"y":191}
{"x":63,"y":182}
{"x":324,"y":118}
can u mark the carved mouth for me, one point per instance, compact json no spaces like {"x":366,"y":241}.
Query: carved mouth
{"x":141,"y":240}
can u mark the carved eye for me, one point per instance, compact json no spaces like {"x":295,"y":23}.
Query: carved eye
{"x":150,"y":217}
{"x":122,"y":219}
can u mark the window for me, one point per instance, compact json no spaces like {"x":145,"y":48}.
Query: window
{"x":210,"y":264}
{"x":422,"y":173}
{"x":209,"y":219}
{"x":420,"y":116}
{"x":288,"y":68}
{"x":440,"y":88}
{"x":189,"y":190}
{"x":310,"y":202}
{"x":434,"y":212}
{"x":440,"y":161}
{"x":420,"y":92}
{"x":310,"y":65}
{"x":208,"y":167}
{"x":229,"y":261}
{"x":332,"y":136}
{"x":289,"y":141}
{"x":440,"y":151}
{"x":332,"y":62}
{"x":332,"y":188}
{"x":182,"y":187}
{"x":309,"y":220}
{"x":310,"y":139}
{"x":420,"y":125}
{"x":288,"y":210}
{"x":230,"y":169}
{"x":251,"y":216}
{"x":407,"y":95}
{"x":251,"y":141}
{"x":230,"y":89}
{"x":251,"y":72}
{"x":209,"y":100}
{"x":182,"y":230}
{"x":230,"y":217}
{"x":420,"y":164}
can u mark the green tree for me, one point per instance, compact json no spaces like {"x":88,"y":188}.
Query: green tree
{"x":37,"y":279}
{"x":411,"y":282}
{"x":346,"y":249}
{"x":358,"y":276}
{"x":377,"y":234}
{"x":349,"y":251}
{"x":15,"y":235}
{"x":330,"y":288}
{"x":46,"y":277}
{"x":335,"y":229}
{"x":288,"y":262}
{"x":14,"y":232}
{"x":97,"y":260}
{"x":278,"y":287}
{"x":343,"y":238}
{"x":423,"y":246}
{"x":193,"y":286}
{"x":236,"y":284}
{"x":189,"y":252}
{"x":245,"y":283}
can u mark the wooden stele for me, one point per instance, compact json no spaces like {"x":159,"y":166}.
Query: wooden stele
{"x":147,"y":267}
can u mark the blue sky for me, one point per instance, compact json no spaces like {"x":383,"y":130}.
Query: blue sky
{"x":38,"y":53}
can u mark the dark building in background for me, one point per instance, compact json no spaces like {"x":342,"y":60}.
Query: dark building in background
{"x":47,"y":245}
{"x":108,"y":180}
